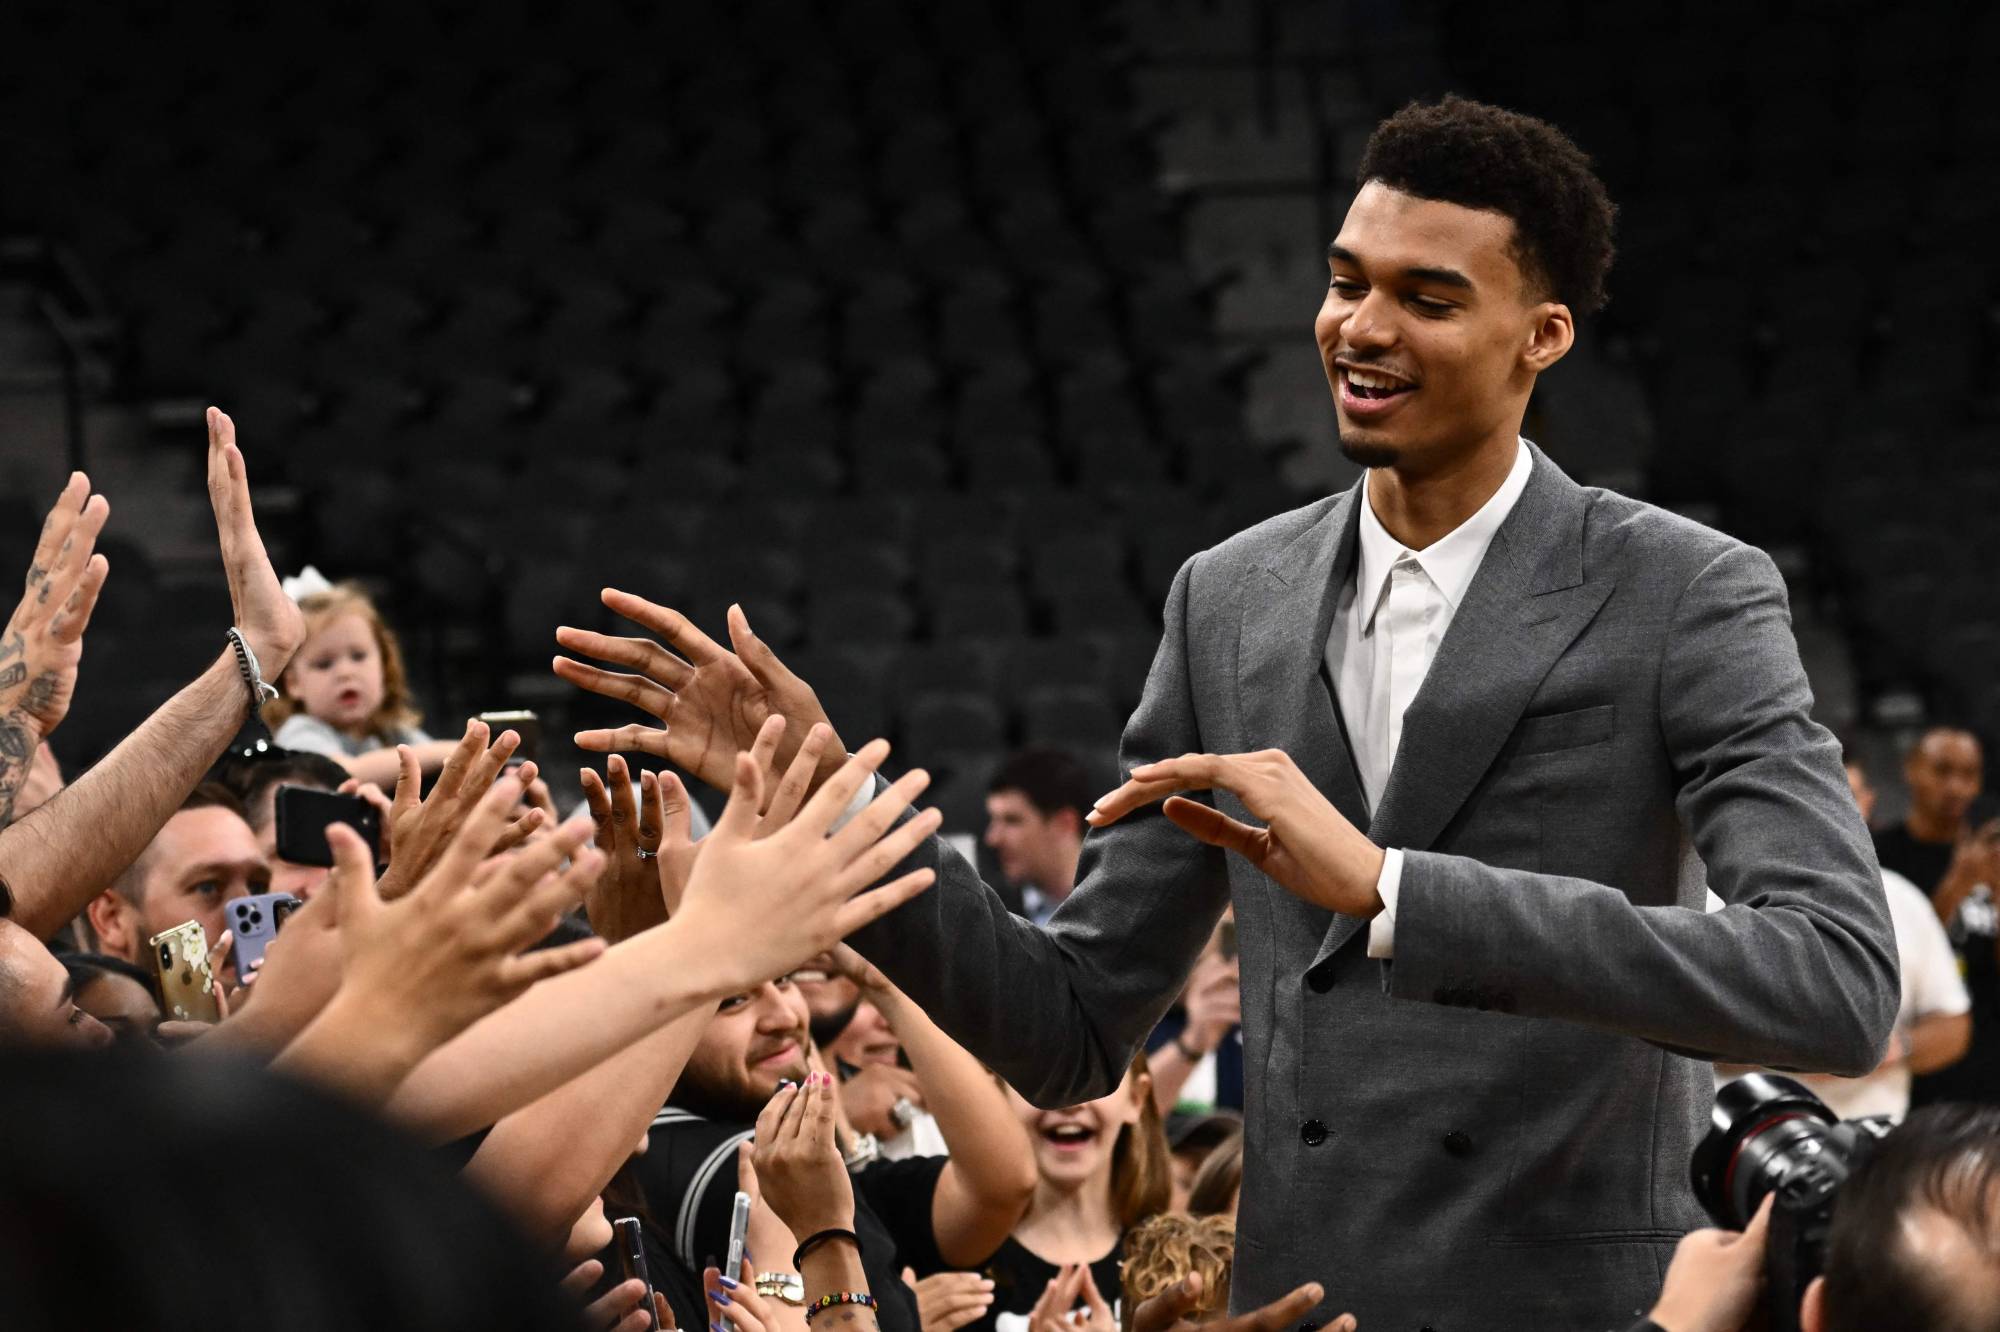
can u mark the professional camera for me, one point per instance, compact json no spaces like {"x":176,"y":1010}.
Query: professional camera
{"x":1770,"y":1135}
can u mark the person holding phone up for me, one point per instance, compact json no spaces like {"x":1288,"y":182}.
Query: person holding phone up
{"x":802,"y":1176}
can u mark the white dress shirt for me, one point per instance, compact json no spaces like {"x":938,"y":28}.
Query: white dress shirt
{"x":1386,"y":629}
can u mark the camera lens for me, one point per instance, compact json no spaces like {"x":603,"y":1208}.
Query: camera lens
{"x":1764,"y":1127}
{"x":166,"y":956}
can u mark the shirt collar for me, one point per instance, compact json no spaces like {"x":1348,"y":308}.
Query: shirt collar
{"x":1449,"y":562}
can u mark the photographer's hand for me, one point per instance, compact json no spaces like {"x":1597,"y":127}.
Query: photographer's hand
{"x":1715,"y":1278}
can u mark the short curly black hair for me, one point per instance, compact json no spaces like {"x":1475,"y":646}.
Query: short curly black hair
{"x":1465,"y":152}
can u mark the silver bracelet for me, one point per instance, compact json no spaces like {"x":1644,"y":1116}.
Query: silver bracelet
{"x":253,"y":678}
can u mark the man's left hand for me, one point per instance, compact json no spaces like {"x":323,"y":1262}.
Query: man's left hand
{"x":1306,"y":844}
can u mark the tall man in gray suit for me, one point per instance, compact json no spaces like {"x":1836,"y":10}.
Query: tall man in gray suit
{"x":1469,"y":742}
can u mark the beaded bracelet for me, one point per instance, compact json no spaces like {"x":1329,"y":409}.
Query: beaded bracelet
{"x":253,"y":675}
{"x":856,"y":1297}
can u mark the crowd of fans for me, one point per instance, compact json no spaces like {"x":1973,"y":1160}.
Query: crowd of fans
{"x":629,"y":1013}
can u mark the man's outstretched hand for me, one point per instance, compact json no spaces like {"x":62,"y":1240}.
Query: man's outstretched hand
{"x":42,"y":644}
{"x":1171,"y":1310}
{"x":710,"y":701}
{"x":270,"y":620}
{"x":1306,"y":844}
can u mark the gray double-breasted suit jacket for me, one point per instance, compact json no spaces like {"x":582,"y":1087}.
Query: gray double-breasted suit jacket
{"x":1492,"y":1130}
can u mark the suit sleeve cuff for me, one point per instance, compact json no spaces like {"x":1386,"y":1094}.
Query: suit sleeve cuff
{"x":862,"y":799}
{"x":1382,"y":929}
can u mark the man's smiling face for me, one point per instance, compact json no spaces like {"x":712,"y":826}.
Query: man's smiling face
{"x":1429,"y":329}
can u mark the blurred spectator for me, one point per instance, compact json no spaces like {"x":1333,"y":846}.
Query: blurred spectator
{"x":1934,"y":1024}
{"x":1197,"y":1049}
{"x":204,"y":856}
{"x":1937,"y":848}
{"x":1193,"y":1137}
{"x":1219,"y":1183}
{"x":116,"y":993}
{"x":831,"y":999}
{"x":254,"y":774}
{"x":38,"y":999}
{"x":374,"y":1234}
{"x":881,"y":1095}
{"x":346,"y":695}
{"x":1034,"y":825}
{"x":1864,"y":790}
{"x":1165,"y":1249}
{"x":1104,"y":1168}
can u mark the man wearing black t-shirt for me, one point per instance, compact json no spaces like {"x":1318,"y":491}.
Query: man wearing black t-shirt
{"x":908,"y":1213}
{"x":1937,"y":848}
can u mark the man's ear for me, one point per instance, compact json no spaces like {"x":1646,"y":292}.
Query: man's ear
{"x":1069,"y":821}
{"x":115,"y":922}
{"x":1550,"y":336}
{"x":1812,"y":1309}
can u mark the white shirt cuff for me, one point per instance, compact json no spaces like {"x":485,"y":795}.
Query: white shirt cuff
{"x":1382,"y":929}
{"x":862,"y":799}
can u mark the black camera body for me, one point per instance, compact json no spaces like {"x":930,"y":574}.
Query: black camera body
{"x":1770,"y":1136}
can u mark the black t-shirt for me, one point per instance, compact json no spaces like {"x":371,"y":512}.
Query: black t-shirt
{"x":1972,"y":930}
{"x":689,"y":1176}
{"x":1019,"y":1277}
{"x":1922,"y":863}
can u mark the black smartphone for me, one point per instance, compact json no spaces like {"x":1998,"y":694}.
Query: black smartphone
{"x":303,"y":814}
{"x":632,"y":1263}
{"x":254,"y":922}
{"x":524,"y":724}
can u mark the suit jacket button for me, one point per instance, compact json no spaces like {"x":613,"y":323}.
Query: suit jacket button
{"x":1313,"y":1132}
{"x":1457,"y":1142}
{"x":1320,"y":979}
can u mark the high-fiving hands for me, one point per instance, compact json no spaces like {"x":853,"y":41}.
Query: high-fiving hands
{"x":271,"y":623}
{"x":43,"y":641}
{"x":1305,"y":843}
{"x":419,"y":970}
{"x":711,"y":702}
{"x":771,"y":902}
{"x":419,"y":827}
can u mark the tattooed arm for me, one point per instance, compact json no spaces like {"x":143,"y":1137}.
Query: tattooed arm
{"x":43,"y":641}
{"x":58,"y":857}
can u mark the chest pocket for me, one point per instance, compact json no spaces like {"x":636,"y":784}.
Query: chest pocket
{"x":1554,"y":731}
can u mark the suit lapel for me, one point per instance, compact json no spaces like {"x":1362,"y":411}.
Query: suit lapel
{"x":1288,"y":608}
{"x":1525,"y":606}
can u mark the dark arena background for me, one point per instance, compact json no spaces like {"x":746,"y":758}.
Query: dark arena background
{"x":939,"y":334}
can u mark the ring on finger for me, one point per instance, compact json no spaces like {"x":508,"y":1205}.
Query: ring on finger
{"x":644,"y":854}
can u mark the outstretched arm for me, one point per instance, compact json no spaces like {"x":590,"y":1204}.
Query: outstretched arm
{"x":64,"y":853}
{"x":1798,"y":971}
{"x":991,"y":1177}
{"x":1102,"y":975}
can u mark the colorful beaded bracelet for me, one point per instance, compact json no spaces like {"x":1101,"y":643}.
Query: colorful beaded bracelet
{"x":860,"y":1297}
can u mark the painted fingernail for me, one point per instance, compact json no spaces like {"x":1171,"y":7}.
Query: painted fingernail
{"x":727,"y":1282}
{"x":722,"y":1296}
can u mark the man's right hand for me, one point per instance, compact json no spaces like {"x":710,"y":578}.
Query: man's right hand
{"x":1170,"y":1310}
{"x":270,"y":620}
{"x":420,"y":827}
{"x":711,"y":702}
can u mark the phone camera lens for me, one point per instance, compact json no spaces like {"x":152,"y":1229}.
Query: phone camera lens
{"x":166,"y":955}
{"x":256,"y":916}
